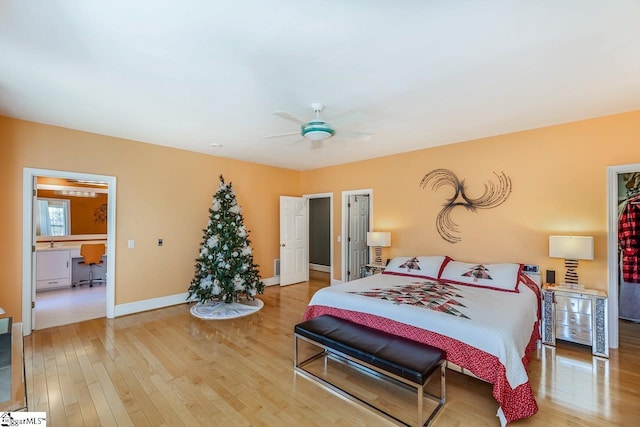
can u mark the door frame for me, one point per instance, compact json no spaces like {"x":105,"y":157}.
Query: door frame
{"x":324,"y":196}
{"x":345,"y":220}
{"x":28,"y":279}
{"x":612,"y":246}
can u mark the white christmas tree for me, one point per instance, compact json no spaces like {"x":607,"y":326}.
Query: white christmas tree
{"x":225,"y":267}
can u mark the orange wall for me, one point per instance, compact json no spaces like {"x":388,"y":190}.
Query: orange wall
{"x":161,"y":193}
{"x":559,"y":186}
{"x":559,"y":177}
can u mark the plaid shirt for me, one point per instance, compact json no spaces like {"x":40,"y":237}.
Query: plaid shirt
{"x":629,"y":240}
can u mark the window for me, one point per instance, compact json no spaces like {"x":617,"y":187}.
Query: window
{"x":53,"y":217}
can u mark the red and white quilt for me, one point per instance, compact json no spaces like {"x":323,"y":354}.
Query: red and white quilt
{"x":488,"y":332}
{"x":426,"y":294}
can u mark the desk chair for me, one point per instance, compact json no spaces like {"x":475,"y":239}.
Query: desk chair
{"x":92,"y":256}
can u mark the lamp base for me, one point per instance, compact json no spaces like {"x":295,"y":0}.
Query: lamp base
{"x":571,"y":277}
{"x":378,"y":255}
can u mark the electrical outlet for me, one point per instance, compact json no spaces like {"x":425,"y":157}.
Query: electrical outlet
{"x":160,"y":242}
{"x":131,"y":244}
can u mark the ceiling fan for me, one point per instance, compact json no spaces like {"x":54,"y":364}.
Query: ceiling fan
{"x":317,"y":130}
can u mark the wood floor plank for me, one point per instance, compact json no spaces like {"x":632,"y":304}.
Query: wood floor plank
{"x":162,"y":407}
{"x":135,"y":391}
{"x":153,"y":360}
{"x":167,"y":368}
{"x":175,"y":401}
{"x":140,"y":420}
{"x":114,"y":402}
{"x":105,"y":417}
{"x":221,"y":405}
{"x":87,"y":407}
{"x":63,"y":370}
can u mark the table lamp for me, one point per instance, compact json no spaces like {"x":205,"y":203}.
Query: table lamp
{"x":378,"y":239}
{"x":572,"y":249}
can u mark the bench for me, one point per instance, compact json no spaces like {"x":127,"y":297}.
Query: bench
{"x":400,"y":359}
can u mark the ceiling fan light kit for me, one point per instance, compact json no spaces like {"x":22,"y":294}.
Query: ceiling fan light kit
{"x":317,"y":130}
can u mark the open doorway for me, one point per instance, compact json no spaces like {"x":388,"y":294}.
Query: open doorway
{"x":53,"y":242}
{"x":357,"y":216}
{"x":321,"y":236}
{"x":623,"y":193}
{"x":306,"y":226}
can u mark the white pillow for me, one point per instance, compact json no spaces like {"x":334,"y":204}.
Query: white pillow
{"x":427,"y":267}
{"x":501,"y":277}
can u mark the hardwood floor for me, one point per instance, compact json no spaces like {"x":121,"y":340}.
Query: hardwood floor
{"x":167,"y":368}
{"x":69,"y":305}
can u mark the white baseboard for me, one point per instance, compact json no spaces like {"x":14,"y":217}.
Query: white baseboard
{"x":150,"y":304}
{"x":271,"y":281}
{"x":335,"y":282}
{"x":320,"y":267}
{"x":161,"y":302}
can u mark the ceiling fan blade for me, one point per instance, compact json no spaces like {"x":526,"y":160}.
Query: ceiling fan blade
{"x":289,"y":117}
{"x":282,"y":134}
{"x":357,"y":136}
{"x":349,"y":119}
{"x":296,"y":142}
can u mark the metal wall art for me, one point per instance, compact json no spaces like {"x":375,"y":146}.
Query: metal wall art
{"x":100,"y":213}
{"x":494,"y":195}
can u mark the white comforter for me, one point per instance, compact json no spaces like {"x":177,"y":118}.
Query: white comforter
{"x":498,"y":323}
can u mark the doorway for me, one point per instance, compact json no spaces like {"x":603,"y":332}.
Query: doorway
{"x":357,"y":216}
{"x":321,"y":232}
{"x":617,"y":196}
{"x":296,"y":229}
{"x":29,"y":275}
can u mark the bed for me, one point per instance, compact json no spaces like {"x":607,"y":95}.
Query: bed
{"x":485,"y":316}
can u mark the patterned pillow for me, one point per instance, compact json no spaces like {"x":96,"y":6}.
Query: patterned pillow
{"x":427,"y":267}
{"x":501,"y":277}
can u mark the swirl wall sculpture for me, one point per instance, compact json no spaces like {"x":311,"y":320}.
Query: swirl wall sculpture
{"x":494,"y":195}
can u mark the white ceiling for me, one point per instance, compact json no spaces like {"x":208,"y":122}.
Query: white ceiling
{"x":425,"y":73}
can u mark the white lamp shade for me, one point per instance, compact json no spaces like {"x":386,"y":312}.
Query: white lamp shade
{"x":378,"y":238}
{"x":571,"y":247}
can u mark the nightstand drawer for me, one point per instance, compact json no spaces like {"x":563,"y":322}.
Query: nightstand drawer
{"x":573,"y":304}
{"x":574,"y":334}
{"x":568,"y":318}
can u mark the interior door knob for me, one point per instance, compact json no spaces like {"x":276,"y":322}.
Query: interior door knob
{"x":282,"y":245}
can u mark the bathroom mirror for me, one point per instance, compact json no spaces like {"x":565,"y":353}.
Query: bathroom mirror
{"x":64,"y":212}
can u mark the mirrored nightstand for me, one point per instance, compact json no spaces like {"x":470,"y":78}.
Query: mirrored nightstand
{"x":576,"y":315}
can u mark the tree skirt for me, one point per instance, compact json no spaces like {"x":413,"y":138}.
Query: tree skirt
{"x":223,"y":310}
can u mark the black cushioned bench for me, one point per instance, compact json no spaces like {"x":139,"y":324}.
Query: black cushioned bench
{"x":404,"y":360}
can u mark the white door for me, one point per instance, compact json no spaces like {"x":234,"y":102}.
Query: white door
{"x":294,"y":242}
{"x":357,"y":234}
{"x":32,"y":286}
